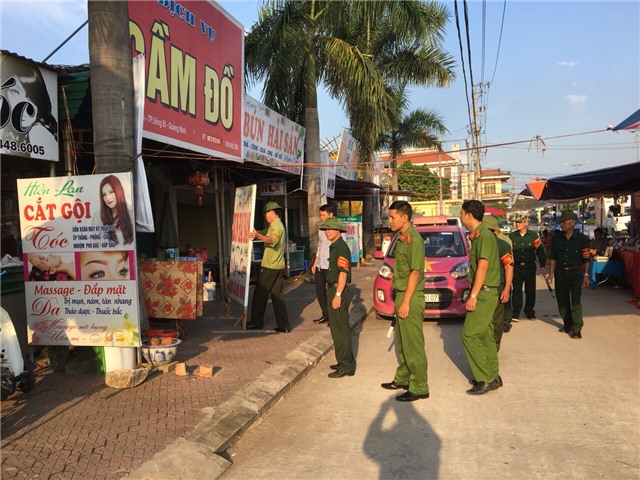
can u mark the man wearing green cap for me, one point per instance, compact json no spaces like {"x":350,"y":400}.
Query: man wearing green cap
{"x":506,"y":277}
{"x":338,"y":277}
{"x":569,"y":261}
{"x":408,"y":283}
{"x":484,"y":277}
{"x":271,"y":273}
{"x":526,"y":246}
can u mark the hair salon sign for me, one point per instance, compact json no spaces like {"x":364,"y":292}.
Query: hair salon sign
{"x":78,"y":242}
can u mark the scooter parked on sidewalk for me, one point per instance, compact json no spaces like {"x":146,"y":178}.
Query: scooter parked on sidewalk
{"x":13,"y":374}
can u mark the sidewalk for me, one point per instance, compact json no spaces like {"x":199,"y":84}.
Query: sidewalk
{"x":72,"y":426}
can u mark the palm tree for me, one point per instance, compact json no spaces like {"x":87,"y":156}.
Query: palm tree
{"x":410,"y":129}
{"x":111,"y":86}
{"x":355,"y":48}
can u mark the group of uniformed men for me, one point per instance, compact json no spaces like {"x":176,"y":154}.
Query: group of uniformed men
{"x":497,"y":264}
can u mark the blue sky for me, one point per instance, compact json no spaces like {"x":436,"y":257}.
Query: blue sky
{"x":564,"y":68}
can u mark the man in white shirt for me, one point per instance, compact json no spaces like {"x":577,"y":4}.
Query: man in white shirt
{"x":321,"y":264}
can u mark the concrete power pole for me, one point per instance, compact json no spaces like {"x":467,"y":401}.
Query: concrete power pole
{"x":478,"y":91}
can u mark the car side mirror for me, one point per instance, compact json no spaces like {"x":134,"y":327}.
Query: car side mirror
{"x":378,"y":255}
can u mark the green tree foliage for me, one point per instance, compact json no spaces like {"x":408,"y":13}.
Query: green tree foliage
{"x":423,"y":182}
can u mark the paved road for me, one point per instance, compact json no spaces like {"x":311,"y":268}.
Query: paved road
{"x":568,"y":409}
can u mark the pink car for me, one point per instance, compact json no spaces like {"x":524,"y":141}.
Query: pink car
{"x":446,"y":267}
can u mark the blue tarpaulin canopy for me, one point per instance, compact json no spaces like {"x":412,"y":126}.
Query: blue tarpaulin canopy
{"x":631,"y":123}
{"x":620,"y":180}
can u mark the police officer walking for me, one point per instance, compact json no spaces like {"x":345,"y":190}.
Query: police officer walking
{"x":338,"y":277}
{"x":484,"y":277}
{"x":408,"y":283}
{"x":569,"y":261}
{"x":506,"y":277}
{"x":526,"y":246}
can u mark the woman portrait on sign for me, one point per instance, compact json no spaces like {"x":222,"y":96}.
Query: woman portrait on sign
{"x":109,"y":265}
{"x":115,"y":212}
{"x":52,"y":267}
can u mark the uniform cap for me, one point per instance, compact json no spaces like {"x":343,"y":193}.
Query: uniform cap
{"x":567,"y":215}
{"x":333,"y":223}
{"x":270,"y":206}
{"x":522,"y":218}
{"x":490,"y":222}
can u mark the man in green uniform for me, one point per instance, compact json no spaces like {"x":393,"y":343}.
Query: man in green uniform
{"x":408,"y":284}
{"x":338,"y":277}
{"x":506,"y":277}
{"x":484,"y":277}
{"x":526,"y":246}
{"x":569,"y":261}
{"x":271,"y":273}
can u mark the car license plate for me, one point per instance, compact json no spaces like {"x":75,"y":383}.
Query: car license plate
{"x":432,"y":297}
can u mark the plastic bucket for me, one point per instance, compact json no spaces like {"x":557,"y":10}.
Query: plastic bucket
{"x":209,"y":291}
{"x":116,"y":358}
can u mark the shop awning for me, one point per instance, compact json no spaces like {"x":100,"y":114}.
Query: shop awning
{"x":620,"y":180}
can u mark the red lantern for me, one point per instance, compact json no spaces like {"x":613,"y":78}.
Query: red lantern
{"x":198,"y":181}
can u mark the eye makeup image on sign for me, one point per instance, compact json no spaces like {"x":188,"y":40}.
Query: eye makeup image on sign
{"x":111,"y":265}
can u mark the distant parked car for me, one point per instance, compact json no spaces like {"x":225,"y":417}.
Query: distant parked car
{"x":505,"y":227}
{"x":446,"y":268}
{"x":620,"y":223}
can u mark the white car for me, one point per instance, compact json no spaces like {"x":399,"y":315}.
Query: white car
{"x":618,"y":224}
{"x":505,"y":227}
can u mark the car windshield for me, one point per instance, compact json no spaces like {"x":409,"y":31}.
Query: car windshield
{"x":443,"y":244}
{"x":437,"y":244}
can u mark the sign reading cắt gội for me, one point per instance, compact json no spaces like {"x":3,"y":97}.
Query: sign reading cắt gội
{"x":244,"y":210}
{"x":194,"y":61}
{"x":78,"y":243}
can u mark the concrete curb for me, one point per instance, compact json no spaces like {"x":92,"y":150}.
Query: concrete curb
{"x":197,"y":455}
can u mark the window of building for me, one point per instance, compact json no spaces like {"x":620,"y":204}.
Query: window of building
{"x":490,"y":188}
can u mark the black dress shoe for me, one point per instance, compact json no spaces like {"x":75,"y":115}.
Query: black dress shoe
{"x":339,"y":374}
{"x":473,"y":381}
{"x":564,"y":330}
{"x":531,"y":315}
{"x":411,"y":397}
{"x":394,"y":386}
{"x":251,"y":326}
{"x":576,"y":335}
{"x":282,"y":330}
{"x":481,"y":388}
{"x":506,"y":328}
{"x":335,"y":366}
{"x":321,"y":320}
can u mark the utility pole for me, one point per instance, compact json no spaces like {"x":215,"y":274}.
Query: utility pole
{"x":478,"y":91}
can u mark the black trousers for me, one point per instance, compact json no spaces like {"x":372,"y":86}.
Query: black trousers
{"x":321,"y":290}
{"x":269,"y":283}
{"x":524,"y":275}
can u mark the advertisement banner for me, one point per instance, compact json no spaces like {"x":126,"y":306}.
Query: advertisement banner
{"x":244,"y":210}
{"x":272,"y":187}
{"x":353,"y":236}
{"x":194,"y":54}
{"x":347,"y":163}
{"x":328,"y":175}
{"x":271,"y":139}
{"x":28,"y":110}
{"x":78,"y":242}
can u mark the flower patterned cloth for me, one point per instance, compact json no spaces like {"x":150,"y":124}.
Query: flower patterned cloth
{"x":172,"y":289}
